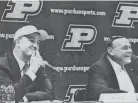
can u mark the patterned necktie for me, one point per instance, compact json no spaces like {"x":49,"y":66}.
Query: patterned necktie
{"x":26,"y":66}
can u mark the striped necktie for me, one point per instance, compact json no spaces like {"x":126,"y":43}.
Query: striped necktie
{"x":25,"y":68}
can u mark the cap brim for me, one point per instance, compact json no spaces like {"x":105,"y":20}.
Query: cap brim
{"x":43,"y":35}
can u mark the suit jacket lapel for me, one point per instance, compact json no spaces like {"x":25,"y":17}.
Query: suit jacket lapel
{"x":132,"y":76}
{"x":111,"y":76}
{"x":14,"y":67}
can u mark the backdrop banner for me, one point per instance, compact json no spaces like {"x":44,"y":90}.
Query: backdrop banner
{"x":77,"y":31}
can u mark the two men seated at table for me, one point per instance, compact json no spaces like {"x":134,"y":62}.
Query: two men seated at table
{"x":110,"y":74}
{"x":24,"y":66}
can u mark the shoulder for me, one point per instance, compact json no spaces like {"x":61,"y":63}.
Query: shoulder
{"x":96,"y":66}
{"x":100,"y":65}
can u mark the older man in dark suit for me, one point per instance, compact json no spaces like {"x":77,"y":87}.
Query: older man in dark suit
{"x":110,"y":74}
{"x":24,"y":66}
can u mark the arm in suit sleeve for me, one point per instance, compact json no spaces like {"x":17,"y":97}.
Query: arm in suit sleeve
{"x":20,"y":87}
{"x":39,"y":89}
{"x":97,"y":84}
{"x":42,"y":88}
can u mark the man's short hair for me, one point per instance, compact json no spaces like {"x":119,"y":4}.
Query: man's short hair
{"x":111,"y":39}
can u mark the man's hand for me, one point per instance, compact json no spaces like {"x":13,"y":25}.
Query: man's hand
{"x":35,"y":61}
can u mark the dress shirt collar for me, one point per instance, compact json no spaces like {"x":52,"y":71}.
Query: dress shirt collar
{"x":117,"y":68}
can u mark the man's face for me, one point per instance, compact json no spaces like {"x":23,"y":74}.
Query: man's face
{"x":28,"y":44}
{"x":122,"y":51}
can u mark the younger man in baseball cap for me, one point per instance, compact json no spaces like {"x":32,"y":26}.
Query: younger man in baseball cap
{"x":24,"y":66}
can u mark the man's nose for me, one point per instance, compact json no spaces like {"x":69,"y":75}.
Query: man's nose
{"x":35,"y":45}
{"x":130,"y":50}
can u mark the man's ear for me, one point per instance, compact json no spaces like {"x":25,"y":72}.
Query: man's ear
{"x":110,"y":50}
{"x":17,"y":42}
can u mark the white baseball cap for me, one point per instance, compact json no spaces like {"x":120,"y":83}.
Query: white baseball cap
{"x":29,"y":29}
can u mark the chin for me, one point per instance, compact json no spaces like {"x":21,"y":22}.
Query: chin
{"x":29,"y":53}
{"x":127,"y":61}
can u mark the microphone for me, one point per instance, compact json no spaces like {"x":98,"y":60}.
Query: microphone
{"x":49,"y":65}
{"x":44,"y":63}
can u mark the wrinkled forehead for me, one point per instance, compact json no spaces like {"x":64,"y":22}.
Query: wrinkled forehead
{"x":120,"y":42}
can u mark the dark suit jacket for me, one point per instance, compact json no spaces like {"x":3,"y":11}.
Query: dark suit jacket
{"x":102,"y":79}
{"x":39,"y":89}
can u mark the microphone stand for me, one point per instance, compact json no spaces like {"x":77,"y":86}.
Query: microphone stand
{"x":53,"y":83}
{"x":53,"y":79}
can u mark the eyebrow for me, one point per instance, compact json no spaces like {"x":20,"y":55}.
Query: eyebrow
{"x":126,"y":46}
{"x":29,"y":37}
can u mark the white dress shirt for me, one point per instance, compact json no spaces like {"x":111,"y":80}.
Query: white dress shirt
{"x":123,"y":78}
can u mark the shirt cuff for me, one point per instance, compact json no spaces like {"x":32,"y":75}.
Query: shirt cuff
{"x":25,"y":99}
{"x":31,"y":74}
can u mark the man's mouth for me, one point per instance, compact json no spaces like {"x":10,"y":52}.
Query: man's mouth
{"x":127,"y":56}
{"x":32,"y":49}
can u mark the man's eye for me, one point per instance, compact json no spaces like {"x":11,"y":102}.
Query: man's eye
{"x":32,"y":41}
{"x":126,"y":47}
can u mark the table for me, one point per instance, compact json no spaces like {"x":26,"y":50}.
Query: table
{"x":46,"y":101}
{"x":57,"y":101}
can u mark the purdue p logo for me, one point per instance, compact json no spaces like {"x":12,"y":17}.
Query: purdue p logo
{"x":69,"y":97}
{"x":77,"y":36}
{"x":18,"y":11}
{"x":127,"y":14}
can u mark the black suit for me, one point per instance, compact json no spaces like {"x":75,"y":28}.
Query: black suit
{"x":39,"y":89}
{"x":102,"y":79}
